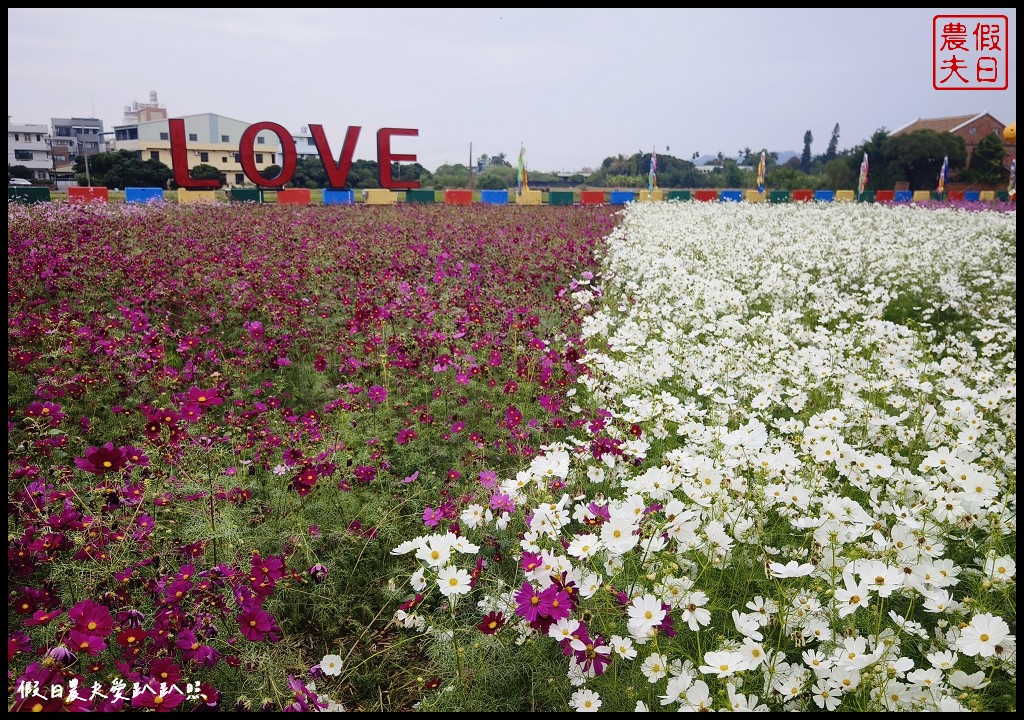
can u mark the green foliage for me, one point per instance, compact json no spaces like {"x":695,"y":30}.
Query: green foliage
{"x":987,"y":161}
{"x":123,"y":169}
{"x":18,"y":171}
{"x":917,"y":157}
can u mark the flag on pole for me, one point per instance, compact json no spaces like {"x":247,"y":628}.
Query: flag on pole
{"x":760,"y":174}
{"x":1011,"y":187}
{"x":943,"y":174}
{"x":863,"y":181}
{"x":652,"y":176}
{"x":521,"y":182}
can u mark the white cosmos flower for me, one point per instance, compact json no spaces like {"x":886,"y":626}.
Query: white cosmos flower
{"x":453,"y":581}
{"x":791,"y":569}
{"x":723,"y":663}
{"x":982,"y":634}
{"x":331,"y":664}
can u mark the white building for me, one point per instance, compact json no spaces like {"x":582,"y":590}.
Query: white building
{"x":28,"y":145}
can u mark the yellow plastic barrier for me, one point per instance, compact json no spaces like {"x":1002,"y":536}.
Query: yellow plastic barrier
{"x":922,"y":195}
{"x":987,"y":196}
{"x":381,"y":196}
{"x":845,"y":195}
{"x":186,"y":197}
{"x":529,"y":197}
{"x":753,"y":196}
{"x":656,"y":196}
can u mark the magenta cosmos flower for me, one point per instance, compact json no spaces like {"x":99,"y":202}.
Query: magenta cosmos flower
{"x":101,"y":460}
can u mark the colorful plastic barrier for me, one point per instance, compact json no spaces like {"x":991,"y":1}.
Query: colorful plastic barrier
{"x":143,"y":195}
{"x":592,"y":197}
{"x":620,"y":197}
{"x":648,"y":196}
{"x":494,"y":197}
{"x":705,"y":195}
{"x":28,"y":195}
{"x":293,"y":196}
{"x":902,"y":196}
{"x":955,"y":195}
{"x":730,"y":196}
{"x":683,"y":195}
{"x":249,"y":195}
{"x":885,"y":195}
{"x":824,"y":195}
{"x":339,"y":197}
{"x":425,"y":197}
{"x":778,"y":196}
{"x":845,"y":195}
{"x":529,"y":197}
{"x":458,"y":196}
{"x":972,"y":195}
{"x":561,"y":197}
{"x":753,"y":196}
{"x":922,"y":195}
{"x":380,"y":196}
{"x":802,"y":195}
{"x":196,"y":197}
{"x":80,"y":195}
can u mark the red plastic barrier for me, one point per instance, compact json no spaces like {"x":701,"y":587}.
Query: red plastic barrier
{"x":293,"y":196}
{"x":802,"y":195}
{"x":885,"y":195}
{"x":458,"y":197}
{"x":705,"y":195}
{"x":955,"y":195}
{"x":592,"y":197}
{"x":88,"y":194}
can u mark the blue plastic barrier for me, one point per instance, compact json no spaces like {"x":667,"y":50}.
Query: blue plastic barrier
{"x":143,"y":195}
{"x":620,"y":197}
{"x":825,"y":195}
{"x":494,"y":197}
{"x":730,"y":196}
{"x":339,"y":197}
{"x":972,"y":195}
{"x":902,"y":196}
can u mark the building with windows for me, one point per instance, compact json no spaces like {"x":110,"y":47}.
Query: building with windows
{"x":28,"y":145}
{"x":144,"y":112}
{"x":305,"y":146}
{"x":77,"y":136}
{"x":210,"y":140}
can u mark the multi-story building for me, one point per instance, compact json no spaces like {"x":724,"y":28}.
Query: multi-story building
{"x":305,"y":146}
{"x":210,"y":140}
{"x":80,"y":136}
{"x":28,"y":145}
{"x":144,"y":112}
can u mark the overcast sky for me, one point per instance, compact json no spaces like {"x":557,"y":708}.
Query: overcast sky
{"x":571,"y":86}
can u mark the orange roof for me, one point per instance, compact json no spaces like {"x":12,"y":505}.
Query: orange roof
{"x":943,"y":124}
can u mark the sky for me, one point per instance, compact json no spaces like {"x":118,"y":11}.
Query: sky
{"x":569,"y":86}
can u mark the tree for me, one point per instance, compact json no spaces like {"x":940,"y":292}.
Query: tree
{"x":19,"y":171}
{"x":917,"y":157}
{"x":122,"y":169}
{"x":805,"y":156}
{"x":833,"y":145}
{"x":987,"y":160}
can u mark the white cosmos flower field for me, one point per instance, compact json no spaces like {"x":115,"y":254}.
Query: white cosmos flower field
{"x":813,"y":412}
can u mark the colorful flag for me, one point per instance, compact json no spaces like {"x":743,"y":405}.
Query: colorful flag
{"x":760,"y":174}
{"x":1011,"y":187}
{"x":943,"y":174}
{"x":652,"y":176}
{"x":521,"y":182}
{"x":863,"y":181}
